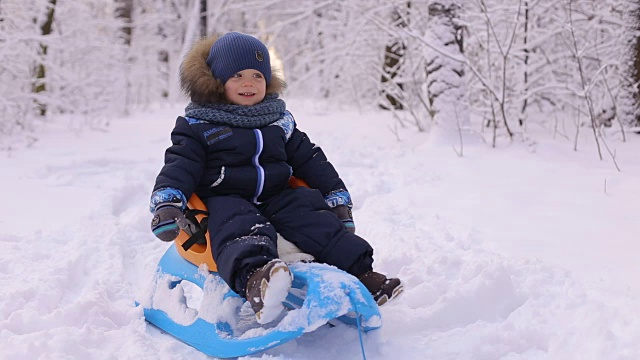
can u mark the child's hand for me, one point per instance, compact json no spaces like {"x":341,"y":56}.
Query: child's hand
{"x":167,"y":221}
{"x":344,"y":214}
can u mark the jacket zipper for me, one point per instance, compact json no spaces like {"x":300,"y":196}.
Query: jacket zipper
{"x":256,"y":163}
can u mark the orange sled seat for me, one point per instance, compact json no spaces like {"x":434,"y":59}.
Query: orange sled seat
{"x":197,"y":248}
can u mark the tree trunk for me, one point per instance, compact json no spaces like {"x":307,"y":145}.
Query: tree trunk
{"x":203,"y":18}
{"x":124,"y":10}
{"x":45,"y":29}
{"x":636,"y":72}
{"x":523,"y":110}
{"x":446,"y":85}
{"x":393,"y":54}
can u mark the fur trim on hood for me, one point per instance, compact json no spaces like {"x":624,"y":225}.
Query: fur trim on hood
{"x":198,"y":82}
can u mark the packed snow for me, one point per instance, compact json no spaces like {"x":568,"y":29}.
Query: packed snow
{"x":527,"y":251}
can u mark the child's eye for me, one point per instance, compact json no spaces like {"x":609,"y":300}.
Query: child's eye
{"x":257,"y":75}
{"x":236,"y":75}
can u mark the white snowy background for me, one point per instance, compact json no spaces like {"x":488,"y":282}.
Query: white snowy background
{"x":529,"y":251}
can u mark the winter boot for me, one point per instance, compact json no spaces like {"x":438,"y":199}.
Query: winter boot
{"x":382,"y":288}
{"x":267,"y":288}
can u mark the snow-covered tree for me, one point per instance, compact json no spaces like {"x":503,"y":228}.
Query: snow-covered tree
{"x":636,"y":60}
{"x":445,"y":85}
{"x":59,"y":57}
{"x":328,"y":49}
{"x":394,"y":61}
{"x":86,"y":61}
{"x":494,"y":60}
{"x":552,"y":54}
{"x":21,"y":57}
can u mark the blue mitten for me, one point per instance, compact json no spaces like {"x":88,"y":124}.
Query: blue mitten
{"x":344,"y":214}
{"x":166,"y":222}
{"x":167,"y":206}
{"x":340,"y":203}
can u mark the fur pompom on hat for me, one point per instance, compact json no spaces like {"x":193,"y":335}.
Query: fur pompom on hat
{"x":234,"y":52}
{"x":213,"y":60}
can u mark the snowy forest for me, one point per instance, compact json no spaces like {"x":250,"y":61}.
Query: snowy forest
{"x":491,"y":67}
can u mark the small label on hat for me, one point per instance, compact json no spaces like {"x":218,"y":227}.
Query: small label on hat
{"x":259,"y":55}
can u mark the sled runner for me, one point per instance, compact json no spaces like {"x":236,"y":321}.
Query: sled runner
{"x":225,"y":326}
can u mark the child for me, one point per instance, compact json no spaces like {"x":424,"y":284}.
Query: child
{"x":236,"y":148}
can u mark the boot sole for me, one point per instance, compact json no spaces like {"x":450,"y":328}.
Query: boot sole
{"x":394,"y":294}
{"x":273,"y":293}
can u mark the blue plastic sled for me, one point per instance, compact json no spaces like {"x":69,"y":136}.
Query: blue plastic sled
{"x":320,"y":293}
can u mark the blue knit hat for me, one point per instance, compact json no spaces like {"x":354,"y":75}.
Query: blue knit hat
{"x":234,"y":52}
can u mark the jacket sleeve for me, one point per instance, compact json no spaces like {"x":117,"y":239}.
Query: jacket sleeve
{"x":309,"y":163}
{"x":184,"y":163}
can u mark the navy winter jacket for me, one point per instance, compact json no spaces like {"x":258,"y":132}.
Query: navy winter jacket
{"x":211,"y":159}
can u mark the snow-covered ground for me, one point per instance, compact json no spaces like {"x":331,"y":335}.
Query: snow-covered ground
{"x":523,"y":252}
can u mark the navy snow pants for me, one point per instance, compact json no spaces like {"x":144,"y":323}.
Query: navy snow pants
{"x":243,"y":235}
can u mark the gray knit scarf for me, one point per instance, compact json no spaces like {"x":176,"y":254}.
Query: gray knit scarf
{"x":252,"y":117}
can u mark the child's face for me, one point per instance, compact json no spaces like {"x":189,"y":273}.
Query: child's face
{"x":247,"y":87}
